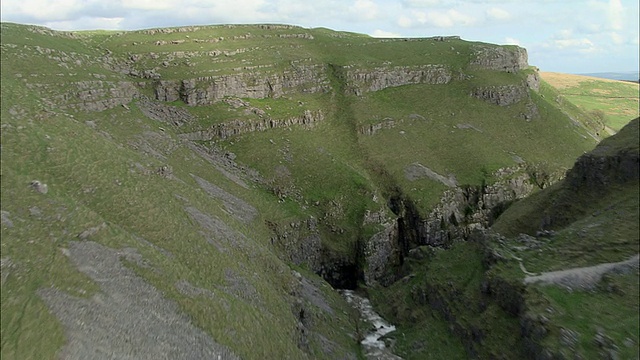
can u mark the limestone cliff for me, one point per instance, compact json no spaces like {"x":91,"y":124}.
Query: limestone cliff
{"x":236,"y":127}
{"x":502,"y":95}
{"x":509,"y":59}
{"x":255,"y":85}
{"x":360,"y":80}
{"x":463,"y":209}
{"x":97,"y":95}
{"x":382,"y":254}
{"x":607,"y":165}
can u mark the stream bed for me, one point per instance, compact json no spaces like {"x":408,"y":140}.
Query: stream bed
{"x":373,"y":347}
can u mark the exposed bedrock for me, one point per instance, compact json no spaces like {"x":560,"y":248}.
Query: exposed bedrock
{"x":359,"y":81}
{"x":598,"y":170}
{"x":461,"y":210}
{"x":504,"y":95}
{"x":236,"y":127}
{"x":89,"y":95}
{"x":509,"y":59}
{"x":210,"y":89}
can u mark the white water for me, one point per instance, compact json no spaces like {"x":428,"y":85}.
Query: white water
{"x":374,"y":348}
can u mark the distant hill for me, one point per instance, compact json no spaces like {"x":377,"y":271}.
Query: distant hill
{"x":625,"y":75}
{"x":612,"y":103}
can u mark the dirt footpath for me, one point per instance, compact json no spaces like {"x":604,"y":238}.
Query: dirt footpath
{"x":584,"y":278}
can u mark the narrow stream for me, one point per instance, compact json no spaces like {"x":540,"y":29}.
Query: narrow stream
{"x":374,"y":348}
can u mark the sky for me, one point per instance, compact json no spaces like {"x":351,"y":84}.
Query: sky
{"x":570,"y":36}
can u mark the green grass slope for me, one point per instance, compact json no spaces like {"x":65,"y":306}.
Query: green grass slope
{"x":105,"y":179}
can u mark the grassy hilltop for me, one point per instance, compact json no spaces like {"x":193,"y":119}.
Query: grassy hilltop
{"x":231,"y":175}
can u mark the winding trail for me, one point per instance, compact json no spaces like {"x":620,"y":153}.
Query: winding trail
{"x":583,"y":278}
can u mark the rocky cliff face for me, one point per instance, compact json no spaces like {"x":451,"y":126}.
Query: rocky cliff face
{"x":261,"y":83}
{"x":509,"y":59}
{"x":382,"y":255}
{"x":502,"y":95}
{"x":237,"y":127}
{"x":95,"y":95}
{"x":606,"y":166}
{"x":613,"y":163}
{"x":300,"y":242}
{"x":505,"y":95}
{"x":360,"y":81}
{"x":207,"y":90}
{"x":463,"y":209}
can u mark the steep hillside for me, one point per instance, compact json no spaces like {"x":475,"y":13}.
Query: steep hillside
{"x":228,"y":177}
{"x":577,"y":244}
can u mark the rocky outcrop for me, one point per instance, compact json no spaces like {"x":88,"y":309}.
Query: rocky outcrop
{"x":533,"y":81}
{"x":500,"y":58}
{"x":502,"y":95}
{"x":608,"y":164}
{"x":463,"y":209}
{"x":418,"y":171}
{"x":598,"y":172}
{"x":165,"y":113}
{"x":90,"y":95}
{"x":235,"y":206}
{"x":382,"y":255}
{"x":211,"y":89}
{"x":371,"y":129}
{"x":360,"y":81}
{"x":236,"y":127}
{"x":505,"y":95}
{"x":300,"y":242}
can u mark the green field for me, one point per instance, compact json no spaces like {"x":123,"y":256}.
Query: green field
{"x":611,"y":102}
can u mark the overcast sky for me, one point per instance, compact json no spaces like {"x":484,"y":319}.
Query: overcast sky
{"x":573,"y":36}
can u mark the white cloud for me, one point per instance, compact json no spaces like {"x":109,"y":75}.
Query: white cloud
{"x":511,"y":41}
{"x":444,"y":19}
{"x":87,"y":24}
{"x":365,"y":9}
{"x":616,"y":14}
{"x":617,"y":38}
{"x":565,"y":40}
{"x":420,"y":3}
{"x":384,"y":34}
{"x":498,"y":14}
{"x":565,"y":34}
{"x":404,"y":22}
{"x":41,"y":10}
{"x":573,"y":43}
{"x":147,"y":4}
